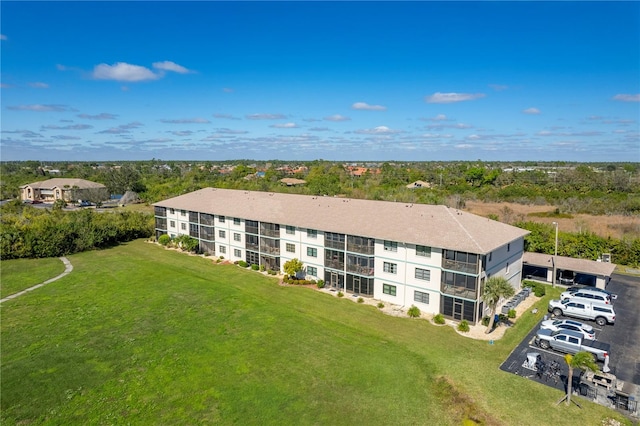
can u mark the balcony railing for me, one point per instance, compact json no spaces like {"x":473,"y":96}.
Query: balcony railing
{"x":453,"y":265}
{"x":360,"y":270}
{"x":335,"y":264}
{"x":458,"y":291}
{"x":251,"y":246}
{"x":270,"y":250}
{"x":251,"y":230}
{"x":359,"y":248}
{"x":338,"y":245}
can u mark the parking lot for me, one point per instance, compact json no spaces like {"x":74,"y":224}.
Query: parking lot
{"x":624,"y":338}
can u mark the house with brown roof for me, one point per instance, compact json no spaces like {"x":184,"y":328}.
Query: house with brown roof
{"x":65,"y":189}
{"x":430,"y":256}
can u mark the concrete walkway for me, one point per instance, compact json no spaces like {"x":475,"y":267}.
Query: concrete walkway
{"x":68,"y":267}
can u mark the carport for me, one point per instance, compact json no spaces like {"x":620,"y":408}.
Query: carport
{"x":569,"y":271}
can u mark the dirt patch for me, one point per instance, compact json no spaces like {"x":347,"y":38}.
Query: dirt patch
{"x":615,"y":226}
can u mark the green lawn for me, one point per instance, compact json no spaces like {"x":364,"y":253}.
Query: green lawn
{"x":18,"y":274}
{"x":142,"y":335}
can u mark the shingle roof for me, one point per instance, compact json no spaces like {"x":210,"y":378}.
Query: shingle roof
{"x":429,"y":225}
{"x":64,"y":183}
{"x":570,"y":264}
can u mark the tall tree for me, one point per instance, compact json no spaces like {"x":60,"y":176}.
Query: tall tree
{"x":582,"y":360}
{"x":495,"y":289}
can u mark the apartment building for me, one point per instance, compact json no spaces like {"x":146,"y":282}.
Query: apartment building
{"x":434,"y":257}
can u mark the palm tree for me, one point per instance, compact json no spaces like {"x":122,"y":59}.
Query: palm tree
{"x":582,"y":360}
{"x":495,"y":289}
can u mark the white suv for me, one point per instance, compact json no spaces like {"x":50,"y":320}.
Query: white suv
{"x":588,"y":296}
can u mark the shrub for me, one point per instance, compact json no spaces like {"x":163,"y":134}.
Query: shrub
{"x":255,"y":267}
{"x":511,"y":313}
{"x":503,"y":318}
{"x":360,"y":300}
{"x":242,"y":263}
{"x":218,"y":260}
{"x":164,"y":239}
{"x":320,"y":283}
{"x":485,"y":321}
{"x":463,"y":326}
{"x":540,"y":290}
{"x":221,"y":258}
{"x":272,"y":272}
{"x":340,"y":294}
{"x":262,"y":268}
{"x":414,"y":311}
{"x":380,"y":305}
{"x":438,"y":319}
{"x":285,"y":278}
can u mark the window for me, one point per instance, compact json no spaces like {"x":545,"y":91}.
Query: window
{"x":221,"y":219}
{"x":223,"y":249}
{"x":509,"y":247}
{"x":236,"y":237}
{"x":312,"y":271}
{"x":313,"y":252}
{"x":222,"y":233}
{"x":172,"y":211}
{"x":236,"y":221}
{"x":423,"y":274}
{"x":172,"y":223}
{"x":392,"y":268}
{"x":291,"y":230}
{"x":312,"y":233}
{"x":389,"y":289}
{"x":422,"y":297}
{"x":390,"y":246}
{"x":507,"y":268}
{"x":183,"y":213}
{"x":490,"y":256}
{"x":291,"y":248}
{"x":183,"y":226}
{"x":237,"y":252}
{"x":423,"y":251}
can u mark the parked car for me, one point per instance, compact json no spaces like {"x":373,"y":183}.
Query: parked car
{"x":36,"y":202}
{"x":587,"y":296}
{"x":571,"y":342}
{"x":567,"y":324}
{"x":600,"y":313}
{"x":575,"y":289}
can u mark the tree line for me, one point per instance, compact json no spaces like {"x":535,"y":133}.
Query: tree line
{"x":28,"y":232}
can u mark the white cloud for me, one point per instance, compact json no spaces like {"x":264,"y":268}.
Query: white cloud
{"x":227,"y":90}
{"x":170,"y":66}
{"x":627,"y":98}
{"x":284,"y":126}
{"x":337,"y":117}
{"x":39,"y":85}
{"x":186,"y":121}
{"x":227,"y":131}
{"x":122,"y":71}
{"x":101,"y":116}
{"x":69,"y":127}
{"x":181,"y":132}
{"x":366,"y":107}
{"x":266,"y":116}
{"x":123,"y":128}
{"x":66,"y":137}
{"x":532,"y":111}
{"x":227,"y":116}
{"x":40,"y":108}
{"x":5,"y":86}
{"x":319,"y":129}
{"x":3,"y":37}
{"x":380,"y":130}
{"x":498,"y":87}
{"x":447,"y":98}
{"x":441,"y":126}
{"x":439,"y":117}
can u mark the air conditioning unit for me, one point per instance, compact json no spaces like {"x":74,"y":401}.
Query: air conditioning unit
{"x":606,"y":257}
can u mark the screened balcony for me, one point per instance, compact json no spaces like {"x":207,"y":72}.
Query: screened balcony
{"x":460,"y":261}
{"x":269,"y":229}
{"x":361,"y":245}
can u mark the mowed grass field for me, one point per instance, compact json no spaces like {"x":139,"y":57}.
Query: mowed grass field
{"x":20,"y":274}
{"x":142,"y":335}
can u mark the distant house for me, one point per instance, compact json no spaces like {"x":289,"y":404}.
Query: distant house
{"x":292,"y":181}
{"x":64,"y":189}
{"x":419,"y":184}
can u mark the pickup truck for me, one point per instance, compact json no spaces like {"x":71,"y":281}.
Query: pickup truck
{"x":571,"y":342}
{"x":598,"y":312}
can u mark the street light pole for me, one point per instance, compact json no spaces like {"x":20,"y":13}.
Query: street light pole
{"x":555,"y":254}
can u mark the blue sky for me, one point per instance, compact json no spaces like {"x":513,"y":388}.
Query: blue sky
{"x":370,"y":81}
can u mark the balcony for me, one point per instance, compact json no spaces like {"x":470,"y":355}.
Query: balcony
{"x":360,"y":248}
{"x":335,"y":264}
{"x":458,"y":291}
{"x":252,"y":246}
{"x":275,"y":251}
{"x":360,"y":270}
{"x":338,"y":245}
{"x":454,"y":265}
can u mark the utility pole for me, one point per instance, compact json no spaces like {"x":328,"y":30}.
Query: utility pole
{"x":555,"y":254}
